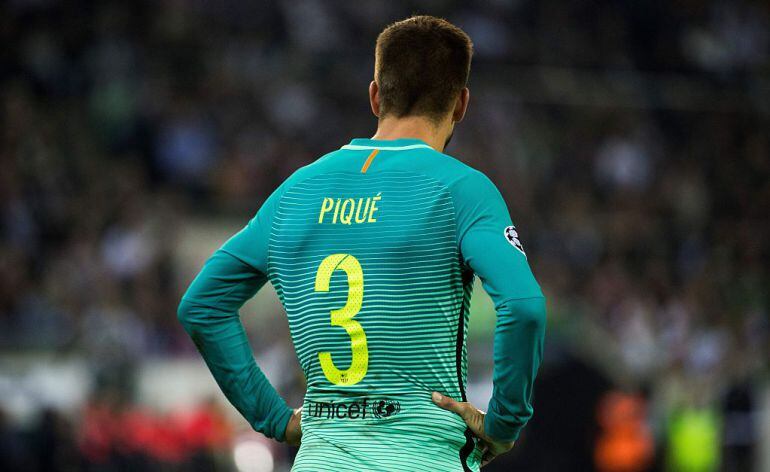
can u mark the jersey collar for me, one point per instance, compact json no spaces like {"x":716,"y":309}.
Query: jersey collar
{"x":402,"y":144}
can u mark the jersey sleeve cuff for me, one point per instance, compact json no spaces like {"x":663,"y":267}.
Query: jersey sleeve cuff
{"x":277,"y":424}
{"x":497,"y":429}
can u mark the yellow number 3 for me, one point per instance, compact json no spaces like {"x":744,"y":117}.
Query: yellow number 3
{"x":344,"y":318}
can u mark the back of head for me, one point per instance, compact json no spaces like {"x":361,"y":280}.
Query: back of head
{"x":421,"y":65}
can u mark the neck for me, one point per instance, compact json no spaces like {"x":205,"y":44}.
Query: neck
{"x":414,"y":127}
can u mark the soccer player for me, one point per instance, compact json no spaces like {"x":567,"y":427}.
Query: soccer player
{"x":372,"y":250}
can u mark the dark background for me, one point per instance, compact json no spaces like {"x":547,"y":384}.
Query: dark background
{"x":630,"y":139}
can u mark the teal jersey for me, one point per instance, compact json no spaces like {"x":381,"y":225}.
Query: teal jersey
{"x":372,"y":250}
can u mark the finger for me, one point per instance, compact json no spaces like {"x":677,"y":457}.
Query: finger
{"x":448,"y":403}
{"x":484,"y":451}
{"x":486,"y":458}
{"x":294,"y":428}
{"x":298,"y":412}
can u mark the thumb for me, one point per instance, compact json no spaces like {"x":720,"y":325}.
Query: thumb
{"x":447,"y":403}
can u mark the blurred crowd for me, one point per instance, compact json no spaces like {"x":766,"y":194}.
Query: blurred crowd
{"x":630,"y":139}
{"x":112,"y":435}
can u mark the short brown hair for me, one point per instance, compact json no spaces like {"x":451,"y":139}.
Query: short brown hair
{"x":421,"y":65}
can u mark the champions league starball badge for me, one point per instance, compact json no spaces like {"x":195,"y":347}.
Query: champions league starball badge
{"x":512,"y":236}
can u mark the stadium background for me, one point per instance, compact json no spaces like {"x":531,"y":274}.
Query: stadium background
{"x":630,"y":139}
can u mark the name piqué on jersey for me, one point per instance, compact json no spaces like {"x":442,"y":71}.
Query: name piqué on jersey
{"x":349,"y":211}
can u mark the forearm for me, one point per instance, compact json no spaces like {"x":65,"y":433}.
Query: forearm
{"x":518,"y":350}
{"x":222,"y":341}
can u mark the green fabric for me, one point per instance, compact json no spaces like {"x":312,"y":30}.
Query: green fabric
{"x":482,"y":217}
{"x":518,"y":351}
{"x":209,"y":313}
{"x":400,"y":275}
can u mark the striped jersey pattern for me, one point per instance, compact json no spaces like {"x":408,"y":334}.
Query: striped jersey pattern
{"x":364,"y":259}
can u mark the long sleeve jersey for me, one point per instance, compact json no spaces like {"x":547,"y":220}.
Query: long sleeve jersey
{"x":373,"y":250}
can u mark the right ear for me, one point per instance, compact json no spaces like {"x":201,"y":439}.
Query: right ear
{"x":461,"y":105}
{"x":374,"y":98}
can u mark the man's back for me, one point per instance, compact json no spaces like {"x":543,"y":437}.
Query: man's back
{"x":363,"y":254}
{"x":372,"y":250}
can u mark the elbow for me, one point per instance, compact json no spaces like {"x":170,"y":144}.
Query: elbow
{"x":528,"y":314}
{"x":532,"y":314}
{"x":184,"y":313}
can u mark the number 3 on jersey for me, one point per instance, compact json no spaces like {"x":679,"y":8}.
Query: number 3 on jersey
{"x":343,"y":317}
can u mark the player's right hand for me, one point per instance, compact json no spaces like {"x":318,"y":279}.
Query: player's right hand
{"x":294,"y":428}
{"x":474,"y":419}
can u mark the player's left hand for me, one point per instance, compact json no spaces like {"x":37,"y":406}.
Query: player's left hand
{"x":294,"y":428}
{"x":474,"y":419}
